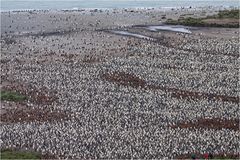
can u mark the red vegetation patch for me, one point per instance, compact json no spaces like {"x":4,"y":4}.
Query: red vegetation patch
{"x":92,"y":59}
{"x":215,"y":123}
{"x":125,"y":79}
{"x":198,"y":95}
{"x":69,"y":56}
{"x":209,"y":156}
{"x":48,"y":156}
{"x":182,"y":94}
{"x":31,"y":115}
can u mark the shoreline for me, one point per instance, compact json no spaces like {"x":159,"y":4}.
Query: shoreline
{"x":121,"y":9}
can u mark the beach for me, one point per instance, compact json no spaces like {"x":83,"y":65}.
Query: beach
{"x":119,"y":84}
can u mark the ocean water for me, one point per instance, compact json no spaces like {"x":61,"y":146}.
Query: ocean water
{"x":8,"y":5}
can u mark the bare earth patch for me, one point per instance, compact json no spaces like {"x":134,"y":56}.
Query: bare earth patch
{"x":221,"y":21}
{"x":127,"y":79}
{"x":13,"y":112}
{"x":31,"y":115}
{"x":38,"y":96}
{"x":199,"y":95}
{"x":215,"y":123}
{"x":91,"y":59}
{"x":214,"y":156}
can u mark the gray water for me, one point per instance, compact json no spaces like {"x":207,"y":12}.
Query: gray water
{"x":126,"y":33}
{"x":169,"y":28}
{"x":180,"y":29}
{"x":7,"y":5}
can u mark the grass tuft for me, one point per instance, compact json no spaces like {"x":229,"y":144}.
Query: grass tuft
{"x":10,"y":154}
{"x":12,"y":96}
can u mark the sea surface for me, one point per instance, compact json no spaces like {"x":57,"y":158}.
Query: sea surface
{"x":10,"y":5}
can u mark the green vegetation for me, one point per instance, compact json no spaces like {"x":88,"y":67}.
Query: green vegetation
{"x":12,"y":96}
{"x":227,"y":19}
{"x":186,"y":21}
{"x":10,"y":154}
{"x":227,"y":14}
